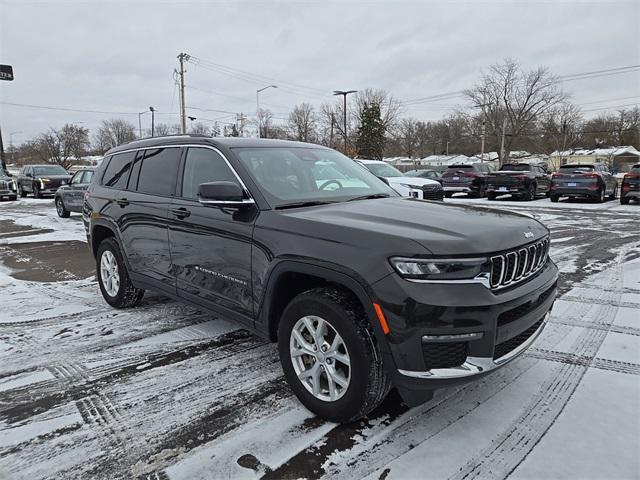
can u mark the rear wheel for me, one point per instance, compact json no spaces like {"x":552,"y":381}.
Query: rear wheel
{"x":614,"y":194}
{"x":554,"y":198}
{"x":329,"y":355}
{"x":62,"y":212}
{"x":601,"y":196}
{"x":448,"y":194}
{"x":491,"y":196}
{"x":531,"y":193}
{"x":113,"y":278}
{"x":624,"y":200}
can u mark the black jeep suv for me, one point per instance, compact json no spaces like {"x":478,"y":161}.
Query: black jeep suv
{"x":362,"y":289}
{"x":41,"y":180}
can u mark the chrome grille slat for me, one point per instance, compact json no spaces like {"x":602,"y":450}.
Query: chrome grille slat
{"x":518,"y":264}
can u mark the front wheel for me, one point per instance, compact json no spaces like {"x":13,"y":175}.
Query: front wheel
{"x":36,"y":191}
{"x":113,"y":278}
{"x":329,"y":355}
{"x":21,"y":191}
{"x":62,"y":212}
{"x":614,"y":194}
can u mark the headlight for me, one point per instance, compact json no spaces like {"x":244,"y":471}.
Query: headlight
{"x":440,"y":269}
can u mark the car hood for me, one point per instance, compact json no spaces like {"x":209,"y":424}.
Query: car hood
{"x":417,"y":181}
{"x":442,"y":229}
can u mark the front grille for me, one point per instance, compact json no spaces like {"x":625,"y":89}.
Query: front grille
{"x":516,"y":265}
{"x":444,"y":355}
{"x":432,"y":192}
{"x":510,"y":345}
{"x":523,"y":309}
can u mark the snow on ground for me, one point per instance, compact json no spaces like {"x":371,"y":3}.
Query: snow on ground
{"x":165,"y":391}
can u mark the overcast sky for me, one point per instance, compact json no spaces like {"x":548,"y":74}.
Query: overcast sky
{"x":120,"y":56}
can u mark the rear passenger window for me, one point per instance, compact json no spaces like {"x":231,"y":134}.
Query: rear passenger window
{"x":87,"y":177}
{"x":115,"y":176}
{"x":201,"y":166}
{"x":159,"y":171}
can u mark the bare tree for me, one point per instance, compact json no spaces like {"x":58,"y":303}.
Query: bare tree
{"x":302,"y":123}
{"x":112,"y":133}
{"x":264,"y":122}
{"x":61,"y":146}
{"x":199,"y":128}
{"x":407,"y":136}
{"x":560,"y":128}
{"x":512,"y":100}
{"x":162,"y":129}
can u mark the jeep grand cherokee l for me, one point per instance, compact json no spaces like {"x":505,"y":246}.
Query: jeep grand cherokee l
{"x":361,"y":288}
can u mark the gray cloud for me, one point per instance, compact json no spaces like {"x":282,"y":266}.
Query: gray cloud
{"x":120,"y":56}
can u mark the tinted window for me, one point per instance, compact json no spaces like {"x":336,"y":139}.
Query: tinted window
{"x":50,"y":170}
{"x":77,"y":178}
{"x":159,"y":171}
{"x":201,"y":166}
{"x":115,"y":176}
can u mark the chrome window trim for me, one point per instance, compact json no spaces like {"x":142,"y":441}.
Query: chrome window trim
{"x":193,"y":145}
{"x":477,"y":365}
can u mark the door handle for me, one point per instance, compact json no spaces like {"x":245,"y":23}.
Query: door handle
{"x":123,"y":202}
{"x":180,"y":212}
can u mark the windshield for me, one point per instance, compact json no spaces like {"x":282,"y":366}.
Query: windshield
{"x":382,"y":170}
{"x":50,"y":170}
{"x":515,"y":167}
{"x":292,"y":175}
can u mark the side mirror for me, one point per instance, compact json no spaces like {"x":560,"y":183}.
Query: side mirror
{"x":226,"y":194}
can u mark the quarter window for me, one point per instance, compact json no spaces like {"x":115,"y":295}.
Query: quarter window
{"x":204,"y":165}
{"x":159,"y":171}
{"x":115,"y":176}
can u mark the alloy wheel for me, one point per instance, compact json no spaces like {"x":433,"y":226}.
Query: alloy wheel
{"x":109,"y":275}
{"x":59,"y":207}
{"x":320,"y":358}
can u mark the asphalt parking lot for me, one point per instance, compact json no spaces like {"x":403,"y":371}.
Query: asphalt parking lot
{"x":166,"y":391}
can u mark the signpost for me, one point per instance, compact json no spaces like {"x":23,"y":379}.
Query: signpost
{"x":6,"y":73}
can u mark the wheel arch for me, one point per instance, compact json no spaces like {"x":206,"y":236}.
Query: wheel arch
{"x":290,"y":278}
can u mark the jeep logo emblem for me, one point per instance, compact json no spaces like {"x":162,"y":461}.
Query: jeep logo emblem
{"x":528,"y":234}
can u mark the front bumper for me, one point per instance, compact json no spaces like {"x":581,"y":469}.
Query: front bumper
{"x":505,"y":323}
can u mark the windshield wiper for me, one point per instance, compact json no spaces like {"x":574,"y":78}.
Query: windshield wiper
{"x":370,"y":196}
{"x":310,"y":203}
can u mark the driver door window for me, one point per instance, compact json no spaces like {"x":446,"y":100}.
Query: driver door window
{"x":77,"y":178}
{"x":204,"y":165}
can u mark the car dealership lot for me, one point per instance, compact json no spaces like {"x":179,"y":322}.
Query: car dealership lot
{"x":166,"y":391}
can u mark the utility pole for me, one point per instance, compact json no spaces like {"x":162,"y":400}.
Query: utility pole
{"x":333,"y":121}
{"x":240,"y":118}
{"x":482,"y":141}
{"x":344,"y":94}
{"x":2,"y":159}
{"x":183,"y":115}
{"x":504,"y":129}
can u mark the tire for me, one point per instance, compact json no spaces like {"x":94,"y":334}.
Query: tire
{"x":36,"y":191}
{"x":13,"y":198}
{"x":21,"y":191}
{"x":448,"y":194}
{"x":531,"y":193}
{"x":624,"y":200}
{"x":62,"y":211}
{"x":491,"y":196}
{"x":601,"y":195}
{"x":126,"y":295}
{"x":480,"y":193}
{"x":614,"y":195}
{"x":367,"y":383}
{"x":554,"y":198}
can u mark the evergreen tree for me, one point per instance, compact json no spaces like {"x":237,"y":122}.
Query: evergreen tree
{"x":371,"y":133}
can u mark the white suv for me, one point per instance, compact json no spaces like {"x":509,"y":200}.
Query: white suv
{"x":416,"y":187}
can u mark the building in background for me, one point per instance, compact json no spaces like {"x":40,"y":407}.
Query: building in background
{"x":619,"y":159}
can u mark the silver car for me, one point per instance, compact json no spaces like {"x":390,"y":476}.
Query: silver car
{"x":69,"y":198}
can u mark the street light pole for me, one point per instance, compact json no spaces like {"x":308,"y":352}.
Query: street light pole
{"x":344,"y":94}
{"x":153,"y":118}
{"x":13,"y":153}
{"x":258,"y":106}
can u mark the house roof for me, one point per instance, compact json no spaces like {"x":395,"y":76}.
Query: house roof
{"x":598,"y":152}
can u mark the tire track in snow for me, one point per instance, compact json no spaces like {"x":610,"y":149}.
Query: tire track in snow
{"x":509,"y":449}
